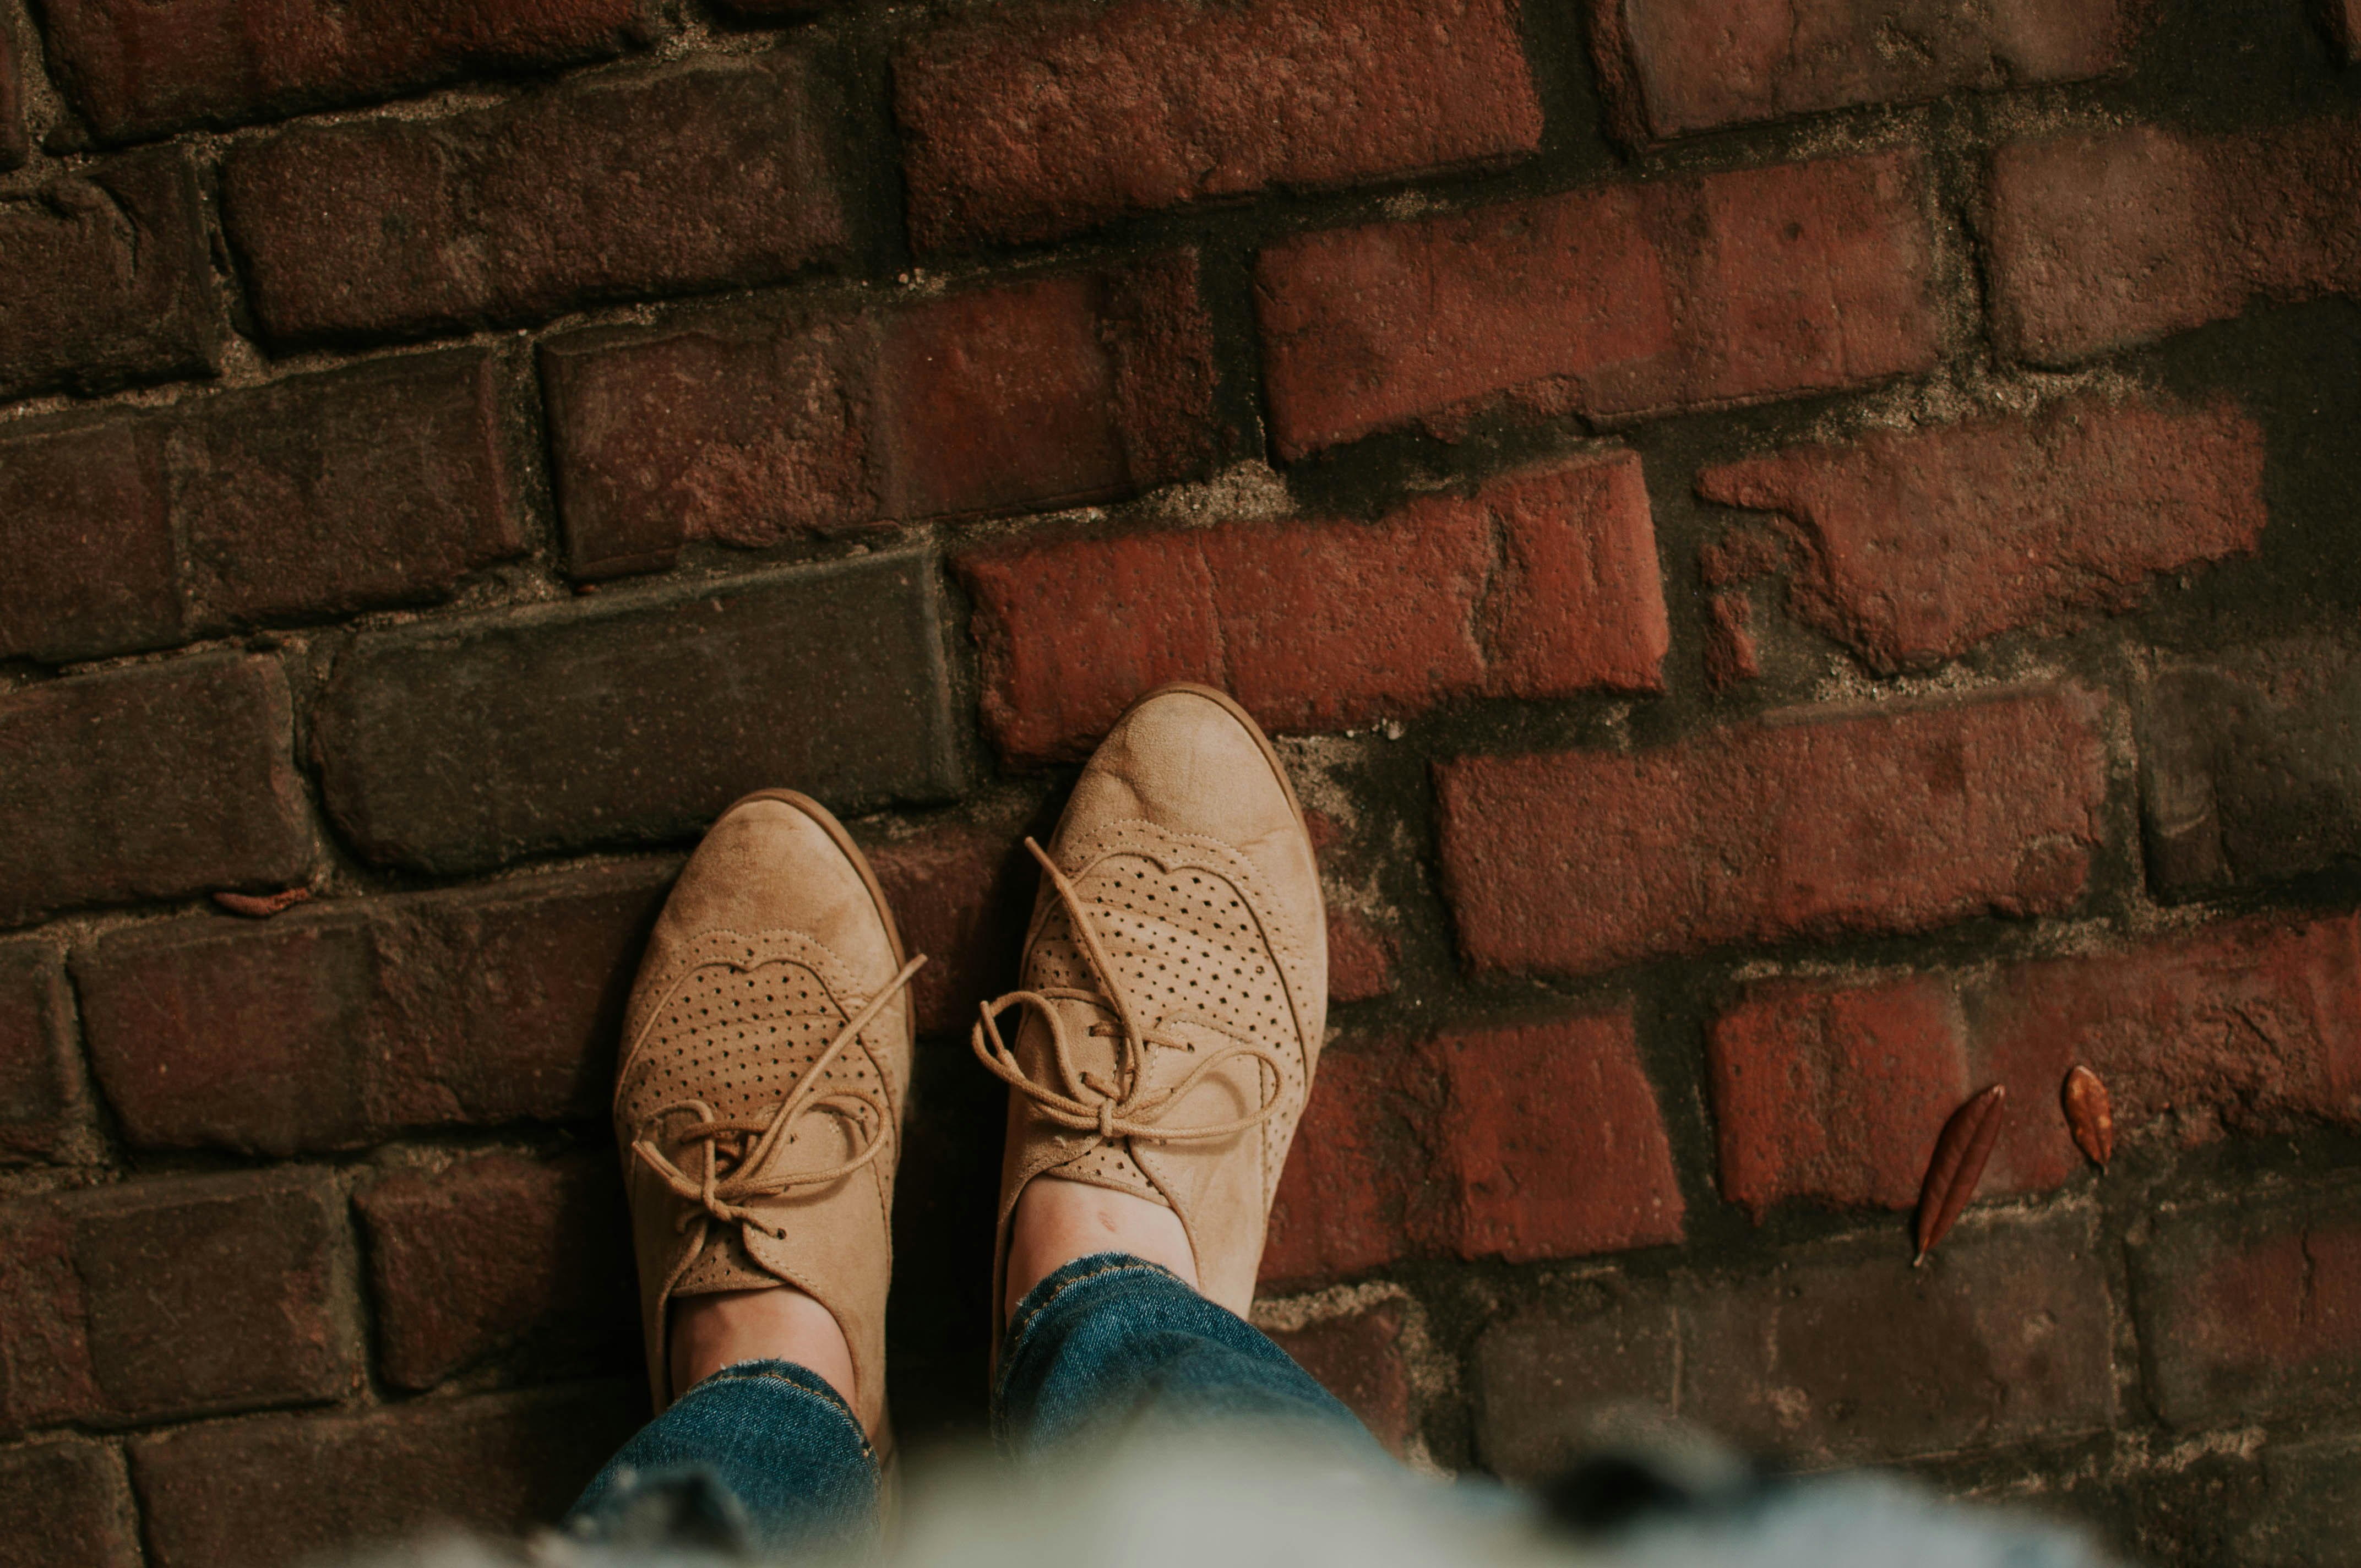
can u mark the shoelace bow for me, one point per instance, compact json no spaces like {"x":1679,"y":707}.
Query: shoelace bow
{"x":1081,"y":1100}
{"x":723,"y":1194}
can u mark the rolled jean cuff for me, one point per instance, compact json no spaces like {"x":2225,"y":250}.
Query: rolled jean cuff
{"x":762,"y":1456}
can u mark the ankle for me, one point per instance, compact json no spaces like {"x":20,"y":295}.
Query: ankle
{"x":709,"y":1333}
{"x":1059,"y":1220}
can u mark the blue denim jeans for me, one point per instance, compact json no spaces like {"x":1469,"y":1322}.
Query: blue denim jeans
{"x":764,"y":1455}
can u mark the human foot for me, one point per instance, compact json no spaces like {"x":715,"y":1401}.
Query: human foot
{"x":759,"y":1106}
{"x":1174,"y":990}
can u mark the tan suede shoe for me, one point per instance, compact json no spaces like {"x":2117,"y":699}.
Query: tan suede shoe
{"x":1175,"y":983}
{"x":759,"y":1102}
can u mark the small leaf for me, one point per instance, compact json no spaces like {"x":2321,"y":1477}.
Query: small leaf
{"x":1959,"y":1164}
{"x":2090,"y":1115}
{"x":261,"y":906}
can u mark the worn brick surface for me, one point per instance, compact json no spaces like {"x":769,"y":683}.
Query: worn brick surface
{"x":2252,"y":1309}
{"x":2250,"y":765}
{"x":751,"y":428}
{"x":343,"y":1022}
{"x":1834,"y":1092}
{"x":152,"y":782}
{"x":1538,"y":1375}
{"x":15,"y":146}
{"x":134,"y":70}
{"x":1811,"y":822}
{"x":1026,"y":123}
{"x":40,"y":1087}
{"x":330,"y":493}
{"x":1360,"y":957}
{"x":1542,"y":584}
{"x":108,"y":279}
{"x":176,"y":1296}
{"x":279,"y":1490}
{"x":1918,"y":546}
{"x":85,"y":522}
{"x":1612,"y":301}
{"x":2314,"y":1495}
{"x":693,"y":177}
{"x":1358,"y":1358}
{"x":1671,"y":67}
{"x":1538,"y":1141}
{"x":2102,"y":238}
{"x":66,"y":1502}
{"x":2343,"y":20}
{"x":458,"y":745}
{"x":496,"y":1251}
{"x":961,"y":894}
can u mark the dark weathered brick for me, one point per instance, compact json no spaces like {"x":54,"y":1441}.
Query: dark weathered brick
{"x":1600,"y":1343}
{"x":1918,"y":546}
{"x":135,"y":70}
{"x":2107,"y":237}
{"x":691,"y":177}
{"x":40,"y":1082}
{"x":66,"y":1502}
{"x":457,"y":746}
{"x":280,"y":1490}
{"x":961,"y":893}
{"x":340,"y":1023}
{"x":108,"y":279}
{"x":747,"y":427}
{"x":1897,"y":818}
{"x":1358,"y":1358}
{"x":1542,"y":584}
{"x":1671,"y":67}
{"x":496,"y":1251}
{"x":1022,"y":122}
{"x":85,"y":524}
{"x":2250,"y":765}
{"x":1612,"y":303}
{"x":15,"y":146}
{"x":153,"y":781}
{"x":2313,"y":1495}
{"x":2343,"y":20}
{"x":322,"y":494}
{"x":175,"y":1296}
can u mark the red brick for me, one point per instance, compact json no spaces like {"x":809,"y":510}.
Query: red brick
{"x":692,"y":177}
{"x":1553,"y":1141}
{"x":1916,"y":547}
{"x":134,"y":70}
{"x":2005,"y":1337}
{"x":1539,"y":1141}
{"x":1836,"y":1091}
{"x":1731,"y":656}
{"x":40,"y":1081}
{"x":1025,"y":123}
{"x":1903,"y":817}
{"x":458,"y":745}
{"x":2104,"y":238}
{"x":2251,"y":1308}
{"x":1359,"y":1359}
{"x":280,"y":1490}
{"x":176,"y":1296}
{"x":1612,"y":303}
{"x":1671,"y":67}
{"x":152,"y":782}
{"x":2251,"y":1025}
{"x":66,"y":1502}
{"x":493,"y":1252}
{"x":1541,"y":584}
{"x":327,"y":494}
{"x":960,"y":894}
{"x":340,"y":1023}
{"x":109,"y":280}
{"x":15,"y":146}
{"x":84,"y":521}
{"x":2250,"y":766}
{"x":749,"y":429}
{"x":1360,"y":957}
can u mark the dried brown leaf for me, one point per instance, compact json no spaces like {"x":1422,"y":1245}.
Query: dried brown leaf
{"x":1965,"y":1143}
{"x":2090,"y":1115}
{"x":261,"y":906}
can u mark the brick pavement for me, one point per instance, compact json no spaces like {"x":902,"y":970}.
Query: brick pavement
{"x":1802,"y":564}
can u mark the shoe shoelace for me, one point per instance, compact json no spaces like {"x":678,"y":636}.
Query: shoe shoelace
{"x":722,"y":1192}
{"x":1083,"y":1101}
